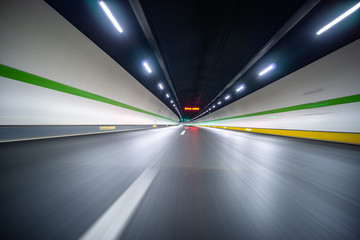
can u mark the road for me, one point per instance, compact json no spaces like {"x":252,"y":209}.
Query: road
{"x":162,"y":184}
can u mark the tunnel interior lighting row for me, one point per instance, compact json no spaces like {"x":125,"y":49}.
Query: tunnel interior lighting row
{"x":145,"y":63}
{"x":338,"y":19}
{"x":272,"y":66}
{"x":268,"y":69}
{"x":110,"y":16}
{"x":146,"y":66}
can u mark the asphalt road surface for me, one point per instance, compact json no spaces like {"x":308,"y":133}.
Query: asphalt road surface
{"x":179,"y":183}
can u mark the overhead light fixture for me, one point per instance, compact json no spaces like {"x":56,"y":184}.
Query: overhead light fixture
{"x":147,"y":67}
{"x":172,"y":101}
{"x":219,"y":103}
{"x":209,"y":109}
{"x":267,"y":69}
{"x":227,"y":97}
{"x":167,"y":95}
{"x":242,"y":87}
{"x":160,"y":86}
{"x":110,"y":16}
{"x":174,"y":105}
{"x":338,"y":19}
{"x":213,"y":106}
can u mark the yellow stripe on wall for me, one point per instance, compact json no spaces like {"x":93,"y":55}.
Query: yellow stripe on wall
{"x":325,"y":136}
{"x":107,"y":128}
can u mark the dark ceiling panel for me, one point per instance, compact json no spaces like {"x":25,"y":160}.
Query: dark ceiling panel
{"x":207,"y":42}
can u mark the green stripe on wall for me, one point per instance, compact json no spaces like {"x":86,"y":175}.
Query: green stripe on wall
{"x":25,"y":77}
{"x":325,"y":103}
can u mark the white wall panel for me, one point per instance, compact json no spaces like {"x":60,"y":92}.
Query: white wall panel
{"x":26,"y":104}
{"x":36,"y":39}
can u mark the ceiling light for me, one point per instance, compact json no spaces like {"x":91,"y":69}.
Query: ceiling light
{"x":227,"y":97}
{"x":172,"y":101}
{"x":161,"y":86}
{"x":213,"y":106}
{"x":167,"y":95}
{"x":174,"y":105}
{"x":240,"y":88}
{"x":209,"y":109}
{"x":267,"y":69}
{"x":338,"y":19}
{"x":147,"y":67}
{"x":219,"y":103}
{"x":110,"y":16}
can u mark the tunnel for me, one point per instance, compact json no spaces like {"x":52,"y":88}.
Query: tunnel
{"x":188,"y":120}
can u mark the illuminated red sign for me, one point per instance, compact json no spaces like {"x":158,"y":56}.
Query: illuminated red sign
{"x":191,"y":109}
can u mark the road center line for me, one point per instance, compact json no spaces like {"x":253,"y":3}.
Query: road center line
{"x":182,"y":133}
{"x":113,"y":222}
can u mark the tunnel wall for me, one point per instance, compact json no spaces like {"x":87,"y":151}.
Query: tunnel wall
{"x":51,"y":74}
{"x":321,"y":97}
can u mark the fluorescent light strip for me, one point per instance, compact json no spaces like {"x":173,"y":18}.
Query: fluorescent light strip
{"x":161,"y":86}
{"x":147,"y":67}
{"x":219,"y":103}
{"x":110,"y":16}
{"x":240,"y":88}
{"x":167,"y":95}
{"x":267,"y":69}
{"x":227,"y":97}
{"x":340,"y":18}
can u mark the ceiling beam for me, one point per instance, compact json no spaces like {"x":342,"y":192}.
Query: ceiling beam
{"x":139,"y":13}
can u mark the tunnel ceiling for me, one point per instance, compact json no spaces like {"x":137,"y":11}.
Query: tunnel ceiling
{"x":203,"y":51}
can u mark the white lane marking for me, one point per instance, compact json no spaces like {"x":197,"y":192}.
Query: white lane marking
{"x":182,"y":133}
{"x":113,"y":222}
